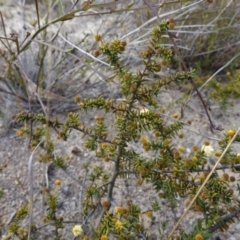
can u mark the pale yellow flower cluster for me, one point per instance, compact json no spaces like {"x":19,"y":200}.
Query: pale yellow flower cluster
{"x":120,"y":210}
{"x":144,"y":111}
{"x":77,"y":230}
{"x":207,"y":150}
{"x":118,"y":225}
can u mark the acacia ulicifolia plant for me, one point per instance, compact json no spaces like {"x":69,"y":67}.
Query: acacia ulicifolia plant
{"x":138,"y":119}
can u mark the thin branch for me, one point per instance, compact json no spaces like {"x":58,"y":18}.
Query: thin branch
{"x":84,"y":52}
{"x":223,"y":220}
{"x":212,"y":126}
{"x":37,"y":11}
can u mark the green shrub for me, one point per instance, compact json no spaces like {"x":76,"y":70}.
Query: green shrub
{"x":136,"y":133}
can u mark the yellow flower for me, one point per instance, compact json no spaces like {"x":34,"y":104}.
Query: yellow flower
{"x":57,"y":182}
{"x":98,"y":37}
{"x":228,"y":74}
{"x":198,"y":237}
{"x":144,"y":111}
{"x":77,"y":230}
{"x":19,"y":133}
{"x":104,"y":237}
{"x":118,"y":225}
{"x":230,"y":132}
{"x":149,"y":214}
{"x":144,"y":140}
{"x":118,"y":209}
{"x":181,"y":149}
{"x":175,"y":115}
{"x":207,"y":150}
{"x":21,"y":231}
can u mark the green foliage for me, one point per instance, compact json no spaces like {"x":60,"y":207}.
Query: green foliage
{"x":198,"y":233}
{"x":227,"y":89}
{"x":123,"y":223}
{"x":222,"y":89}
{"x":15,"y":229}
